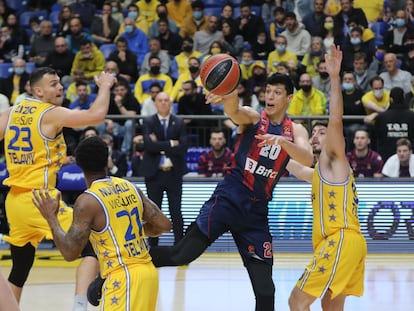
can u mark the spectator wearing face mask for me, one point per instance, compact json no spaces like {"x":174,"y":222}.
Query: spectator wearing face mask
{"x":192,"y":23}
{"x":136,"y":39}
{"x":395,"y":37}
{"x":13,"y":85}
{"x":307,"y":101}
{"x":90,"y":59}
{"x":279,"y":55}
{"x":139,"y":21}
{"x":162,"y":13}
{"x":143,"y":86}
{"x":353,"y":44}
{"x":322,"y":81}
{"x":187,"y":51}
{"x":375,"y":101}
{"x":193,"y":74}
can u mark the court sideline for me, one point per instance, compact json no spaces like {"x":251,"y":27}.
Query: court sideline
{"x":218,"y":281}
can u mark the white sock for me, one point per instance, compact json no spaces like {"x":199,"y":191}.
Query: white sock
{"x":80,"y":303}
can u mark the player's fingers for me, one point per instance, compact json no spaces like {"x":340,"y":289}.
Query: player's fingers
{"x":36,"y":197}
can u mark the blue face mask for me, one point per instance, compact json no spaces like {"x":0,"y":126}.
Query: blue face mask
{"x":347,"y":86}
{"x":197,"y":14}
{"x":129,"y":28}
{"x":114,"y":10}
{"x":19,"y":71}
{"x":355,"y":41}
{"x":133,"y":15}
{"x":280,"y":48}
{"x":399,"y":22}
{"x":247,"y":62}
{"x":379,"y":56}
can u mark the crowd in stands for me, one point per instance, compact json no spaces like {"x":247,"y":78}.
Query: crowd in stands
{"x":154,"y":45}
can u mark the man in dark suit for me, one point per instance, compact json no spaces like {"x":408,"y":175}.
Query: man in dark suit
{"x":164,"y":162}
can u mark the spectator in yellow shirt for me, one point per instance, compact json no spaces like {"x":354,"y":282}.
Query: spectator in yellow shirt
{"x":187,"y":52}
{"x":179,"y":11}
{"x":90,"y":59}
{"x":148,"y":9}
{"x":140,"y":20}
{"x":308,"y":101}
{"x":375,"y":101}
{"x":280,"y":54}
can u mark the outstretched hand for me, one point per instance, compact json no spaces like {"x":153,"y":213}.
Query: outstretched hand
{"x":333,"y":61}
{"x":214,"y":99}
{"x":47,"y":205}
{"x":105,"y":79}
{"x":269,"y":139}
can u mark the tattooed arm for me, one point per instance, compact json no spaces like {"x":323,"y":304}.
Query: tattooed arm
{"x":156,"y":222}
{"x":70,"y":243}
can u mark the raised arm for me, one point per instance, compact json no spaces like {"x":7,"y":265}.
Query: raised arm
{"x":63,"y":117}
{"x":156,"y":222}
{"x":239,"y":115}
{"x":335,"y":142}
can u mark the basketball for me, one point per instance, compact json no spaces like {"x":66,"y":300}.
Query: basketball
{"x":220,"y":74}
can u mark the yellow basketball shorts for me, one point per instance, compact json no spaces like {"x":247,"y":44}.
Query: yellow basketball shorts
{"x":133,"y":288}
{"x":338,"y":265}
{"x":25,"y":221}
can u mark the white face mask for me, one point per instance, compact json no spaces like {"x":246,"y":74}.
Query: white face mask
{"x":378,"y":93}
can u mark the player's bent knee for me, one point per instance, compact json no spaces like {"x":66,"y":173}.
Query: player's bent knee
{"x":22,"y":258}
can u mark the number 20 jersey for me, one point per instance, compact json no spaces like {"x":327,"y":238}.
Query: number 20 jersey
{"x":32,"y":159}
{"x":260,"y":168}
{"x":121,"y":242}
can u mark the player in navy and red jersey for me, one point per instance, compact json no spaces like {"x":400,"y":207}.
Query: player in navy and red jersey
{"x":217,"y":161}
{"x":239,"y":203}
{"x":364,"y":161}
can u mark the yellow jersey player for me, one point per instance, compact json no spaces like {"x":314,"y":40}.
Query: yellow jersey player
{"x":35,"y":150}
{"x":115,"y":216}
{"x":337,"y":267}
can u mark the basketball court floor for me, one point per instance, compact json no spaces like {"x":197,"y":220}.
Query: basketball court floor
{"x":218,"y":281}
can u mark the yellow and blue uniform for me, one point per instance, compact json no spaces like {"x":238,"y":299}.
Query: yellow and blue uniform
{"x":131,"y":278}
{"x":338,"y":262}
{"x":33,"y":161}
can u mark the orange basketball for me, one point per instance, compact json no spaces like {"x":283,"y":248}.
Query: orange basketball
{"x":220,"y":74}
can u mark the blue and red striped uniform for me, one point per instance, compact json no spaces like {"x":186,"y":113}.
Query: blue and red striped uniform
{"x":209,"y":165}
{"x":239,"y":203}
{"x":367,"y":166}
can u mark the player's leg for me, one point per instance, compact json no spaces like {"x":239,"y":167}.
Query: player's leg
{"x":174,"y":194}
{"x":299,"y":300}
{"x":190,"y":247}
{"x":85,"y":274}
{"x":8,"y":300}
{"x":22,"y":262}
{"x":155,"y":191}
{"x":336,"y":304}
{"x":260,"y":274}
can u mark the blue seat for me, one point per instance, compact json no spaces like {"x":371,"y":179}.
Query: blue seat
{"x":70,"y":178}
{"x":25,"y":17}
{"x":17,"y":6}
{"x":56,"y":7}
{"x":212,"y":11}
{"x":174,"y":69}
{"x":5,"y":69}
{"x":30,"y":66}
{"x":214,"y":4}
{"x":107,"y":49}
{"x":54,"y":18}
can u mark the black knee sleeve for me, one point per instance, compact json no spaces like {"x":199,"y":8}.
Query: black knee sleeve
{"x":260,"y":274}
{"x":22,"y":259}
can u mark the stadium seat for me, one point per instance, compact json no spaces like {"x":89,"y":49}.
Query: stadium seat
{"x":5,"y":69}
{"x":54,"y":18}
{"x":56,"y":7}
{"x":107,"y":49}
{"x":214,"y":4}
{"x":212,"y":11}
{"x":174,"y":69}
{"x":26,"y":16}
{"x":30,"y":66}
{"x":17,"y":6}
